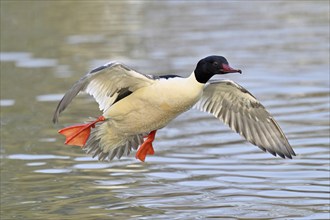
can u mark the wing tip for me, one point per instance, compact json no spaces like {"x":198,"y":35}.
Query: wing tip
{"x":285,"y":152}
{"x":55,"y":120}
{"x":55,"y":116}
{"x":286,"y":155}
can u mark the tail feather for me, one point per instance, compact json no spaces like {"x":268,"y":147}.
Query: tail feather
{"x":105,"y":143}
{"x":111,"y":154}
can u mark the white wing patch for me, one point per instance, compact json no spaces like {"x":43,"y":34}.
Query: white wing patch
{"x":105,"y":84}
{"x":102,"y":91}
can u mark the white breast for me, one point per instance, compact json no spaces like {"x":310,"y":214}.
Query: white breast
{"x":153,"y":107}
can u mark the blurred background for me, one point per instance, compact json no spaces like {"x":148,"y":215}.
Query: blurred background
{"x":201,"y":168}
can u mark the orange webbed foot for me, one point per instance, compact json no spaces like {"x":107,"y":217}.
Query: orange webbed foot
{"x":77,"y":135}
{"x":146,"y":148}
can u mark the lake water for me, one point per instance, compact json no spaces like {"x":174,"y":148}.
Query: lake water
{"x":201,"y":169}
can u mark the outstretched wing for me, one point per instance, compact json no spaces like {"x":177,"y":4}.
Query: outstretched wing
{"x":239,"y":109}
{"x":107,"y":84}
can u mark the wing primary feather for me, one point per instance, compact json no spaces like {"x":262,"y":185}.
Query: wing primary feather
{"x":266,"y":142}
{"x":68,"y":97}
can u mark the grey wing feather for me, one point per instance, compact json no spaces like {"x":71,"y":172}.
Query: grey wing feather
{"x":239,"y":109}
{"x":107,"y":84}
{"x":68,"y":97}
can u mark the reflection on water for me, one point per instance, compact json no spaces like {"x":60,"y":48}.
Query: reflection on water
{"x":7,"y":102}
{"x":201,"y":169}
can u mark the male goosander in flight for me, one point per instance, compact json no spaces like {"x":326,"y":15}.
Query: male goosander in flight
{"x":136,"y":105}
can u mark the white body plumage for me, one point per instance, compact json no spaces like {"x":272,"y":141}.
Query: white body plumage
{"x":153,"y":107}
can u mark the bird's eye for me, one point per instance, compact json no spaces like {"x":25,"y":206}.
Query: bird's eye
{"x":216,"y":64}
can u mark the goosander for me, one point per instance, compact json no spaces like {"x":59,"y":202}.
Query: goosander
{"x":136,"y":105}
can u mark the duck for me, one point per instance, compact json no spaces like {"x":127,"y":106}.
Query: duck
{"x":136,"y":105}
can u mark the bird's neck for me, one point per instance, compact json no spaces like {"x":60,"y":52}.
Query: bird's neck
{"x":194,"y":81}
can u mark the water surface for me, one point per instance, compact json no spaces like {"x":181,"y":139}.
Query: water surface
{"x":201,"y":169}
